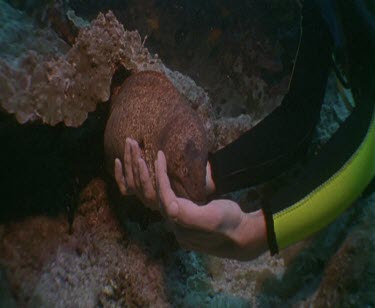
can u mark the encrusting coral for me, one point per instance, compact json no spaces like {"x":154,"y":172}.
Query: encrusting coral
{"x":65,"y":89}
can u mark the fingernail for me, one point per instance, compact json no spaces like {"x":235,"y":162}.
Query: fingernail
{"x":118,"y":163}
{"x":127,"y":145}
{"x":161,"y":157}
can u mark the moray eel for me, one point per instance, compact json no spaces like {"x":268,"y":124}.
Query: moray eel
{"x":149,"y":109}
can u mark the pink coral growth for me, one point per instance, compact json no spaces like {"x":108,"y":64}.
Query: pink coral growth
{"x":65,"y":87}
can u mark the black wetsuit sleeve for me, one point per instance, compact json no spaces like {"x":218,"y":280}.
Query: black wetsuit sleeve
{"x":283,"y":137}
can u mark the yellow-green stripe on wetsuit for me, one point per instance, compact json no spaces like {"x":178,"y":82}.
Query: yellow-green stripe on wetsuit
{"x":326,"y":202}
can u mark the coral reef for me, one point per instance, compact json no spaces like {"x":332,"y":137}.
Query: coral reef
{"x":110,"y":261}
{"x":66,"y":88}
{"x":56,"y":85}
{"x":95,"y":265}
{"x":349,"y":277}
{"x":118,"y":254}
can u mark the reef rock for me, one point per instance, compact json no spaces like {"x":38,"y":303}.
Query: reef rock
{"x":59,"y":87}
{"x":41,"y":79}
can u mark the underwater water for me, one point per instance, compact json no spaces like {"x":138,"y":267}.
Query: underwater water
{"x":67,"y":239}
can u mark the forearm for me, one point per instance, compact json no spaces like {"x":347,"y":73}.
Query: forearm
{"x":251,"y":238}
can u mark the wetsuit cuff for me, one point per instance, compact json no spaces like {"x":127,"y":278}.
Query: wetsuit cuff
{"x":271,"y":236}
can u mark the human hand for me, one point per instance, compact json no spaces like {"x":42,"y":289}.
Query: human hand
{"x":219,"y":228}
{"x":135,"y":178}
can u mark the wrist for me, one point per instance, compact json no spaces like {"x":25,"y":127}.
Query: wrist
{"x":252,"y":237}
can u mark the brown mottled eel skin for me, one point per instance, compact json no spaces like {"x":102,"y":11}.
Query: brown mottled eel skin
{"x":149,"y":109}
